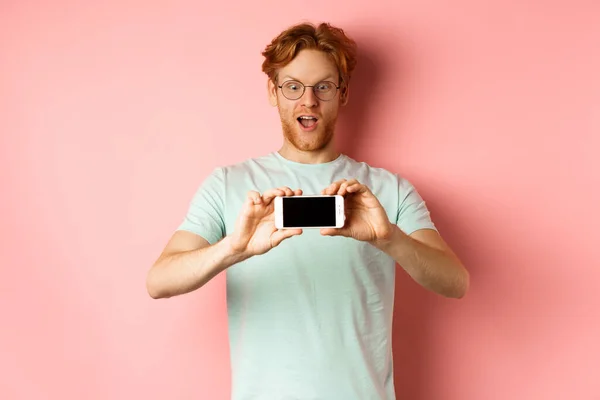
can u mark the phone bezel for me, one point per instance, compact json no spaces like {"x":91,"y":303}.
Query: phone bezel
{"x":340,"y":216}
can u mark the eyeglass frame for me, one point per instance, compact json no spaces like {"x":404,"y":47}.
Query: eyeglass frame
{"x":337,"y":88}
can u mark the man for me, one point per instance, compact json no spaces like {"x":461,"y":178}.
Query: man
{"x":310,"y":313}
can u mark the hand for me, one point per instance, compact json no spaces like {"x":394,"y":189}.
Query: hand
{"x":255,"y":231}
{"x":366,"y":219}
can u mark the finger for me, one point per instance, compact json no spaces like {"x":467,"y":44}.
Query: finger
{"x":298,"y":192}
{"x":333,"y":188}
{"x":269,"y":195}
{"x":254,"y":197}
{"x":343,"y":187}
{"x":287,"y":191}
{"x":282,"y":234}
{"x":357,"y":188}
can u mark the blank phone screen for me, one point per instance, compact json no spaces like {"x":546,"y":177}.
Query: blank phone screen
{"x":308,"y":211}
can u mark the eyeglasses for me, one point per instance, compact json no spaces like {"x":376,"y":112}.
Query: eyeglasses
{"x":293,"y":90}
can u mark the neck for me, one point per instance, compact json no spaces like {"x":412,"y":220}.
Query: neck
{"x":324,"y":155}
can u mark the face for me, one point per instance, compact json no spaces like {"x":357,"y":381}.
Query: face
{"x":310,"y":67}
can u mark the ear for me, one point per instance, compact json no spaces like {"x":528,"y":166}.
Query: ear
{"x":272,"y":92}
{"x":344,"y":94}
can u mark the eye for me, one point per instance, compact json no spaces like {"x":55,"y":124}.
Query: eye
{"x":292,"y":86}
{"x":323,"y":86}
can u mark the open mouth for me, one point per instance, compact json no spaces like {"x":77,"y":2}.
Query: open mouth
{"x":307,"y":122}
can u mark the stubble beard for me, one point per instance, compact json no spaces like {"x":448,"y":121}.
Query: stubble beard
{"x":308,"y":141}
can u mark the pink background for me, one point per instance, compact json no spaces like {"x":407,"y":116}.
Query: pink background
{"x":112,"y":113}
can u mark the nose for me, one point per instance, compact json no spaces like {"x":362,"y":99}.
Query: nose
{"x":309,"y":99}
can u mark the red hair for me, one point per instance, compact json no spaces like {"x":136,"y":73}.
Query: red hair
{"x":324,"y":37}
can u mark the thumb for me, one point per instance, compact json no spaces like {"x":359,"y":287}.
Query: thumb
{"x":333,"y":232}
{"x":282,"y":234}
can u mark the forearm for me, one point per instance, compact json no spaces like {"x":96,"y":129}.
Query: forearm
{"x":187,"y":271}
{"x":439,"y":271}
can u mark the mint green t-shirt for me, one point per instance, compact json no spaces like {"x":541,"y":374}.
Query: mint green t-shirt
{"x":312,"y":318}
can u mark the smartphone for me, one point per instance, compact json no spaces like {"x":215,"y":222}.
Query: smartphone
{"x":322,"y":211}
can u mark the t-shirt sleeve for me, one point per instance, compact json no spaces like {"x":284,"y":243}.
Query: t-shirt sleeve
{"x":205,"y":215}
{"x":412,"y":210}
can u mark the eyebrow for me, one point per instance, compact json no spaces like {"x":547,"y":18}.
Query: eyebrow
{"x":330,"y":77}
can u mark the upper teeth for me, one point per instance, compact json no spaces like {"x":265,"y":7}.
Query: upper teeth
{"x":307,"y":117}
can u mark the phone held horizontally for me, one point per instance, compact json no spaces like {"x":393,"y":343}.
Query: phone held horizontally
{"x":318,"y":211}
